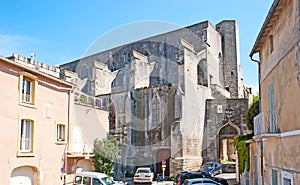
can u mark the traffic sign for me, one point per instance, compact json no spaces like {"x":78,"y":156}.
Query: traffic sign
{"x":163,"y":162}
{"x":163,"y":166}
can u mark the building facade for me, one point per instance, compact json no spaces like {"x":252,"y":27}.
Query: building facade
{"x":34,"y":122}
{"x":156,"y":92}
{"x":49,"y":126}
{"x":88,"y":122}
{"x":274,"y":151}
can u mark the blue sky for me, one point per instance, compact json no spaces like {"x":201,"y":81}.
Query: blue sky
{"x":60,"y":31}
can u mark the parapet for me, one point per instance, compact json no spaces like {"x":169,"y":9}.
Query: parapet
{"x":33,"y":64}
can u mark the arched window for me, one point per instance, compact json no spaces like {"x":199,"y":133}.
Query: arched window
{"x":202,"y":72}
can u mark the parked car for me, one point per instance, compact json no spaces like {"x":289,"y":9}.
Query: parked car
{"x":200,"y":181}
{"x":212,"y":168}
{"x":180,"y":178}
{"x":143,"y":175}
{"x":94,"y":178}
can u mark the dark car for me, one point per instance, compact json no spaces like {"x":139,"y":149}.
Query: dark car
{"x":179,"y":179}
{"x":212,"y":168}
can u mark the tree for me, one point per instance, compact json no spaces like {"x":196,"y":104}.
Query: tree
{"x":252,"y":112}
{"x":106,"y":154}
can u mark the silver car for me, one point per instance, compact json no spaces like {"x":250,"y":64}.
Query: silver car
{"x":200,"y":181}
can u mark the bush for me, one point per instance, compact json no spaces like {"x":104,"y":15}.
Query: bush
{"x":243,"y":151}
{"x":171,"y":178}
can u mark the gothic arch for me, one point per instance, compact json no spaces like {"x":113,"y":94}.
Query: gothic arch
{"x":225,"y":143}
{"x":202,"y":72}
{"x":229,"y":123}
{"x":156,"y":110}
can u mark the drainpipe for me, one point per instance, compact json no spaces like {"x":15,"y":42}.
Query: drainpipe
{"x":259,"y":93}
{"x":67,"y":148}
{"x":259,"y":108}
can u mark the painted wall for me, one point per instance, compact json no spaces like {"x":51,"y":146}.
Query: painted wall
{"x":48,"y":155}
{"x":279,"y":67}
{"x":87,"y":124}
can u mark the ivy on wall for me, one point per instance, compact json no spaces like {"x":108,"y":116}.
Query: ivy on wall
{"x":243,"y":151}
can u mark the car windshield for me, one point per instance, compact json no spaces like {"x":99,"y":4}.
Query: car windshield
{"x":207,"y":165}
{"x":107,"y":181}
{"x":143,"y":171}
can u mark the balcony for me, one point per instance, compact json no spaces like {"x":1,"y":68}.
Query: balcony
{"x":81,"y":149}
{"x":259,"y":123}
{"x":265,"y":125}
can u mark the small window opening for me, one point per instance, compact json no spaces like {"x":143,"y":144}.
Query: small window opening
{"x":271,"y":43}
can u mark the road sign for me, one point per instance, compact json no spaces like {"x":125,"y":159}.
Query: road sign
{"x":163,"y":166}
{"x":163,"y":169}
{"x":163,"y":162}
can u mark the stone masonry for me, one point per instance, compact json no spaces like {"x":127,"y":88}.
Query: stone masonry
{"x":162,"y":93}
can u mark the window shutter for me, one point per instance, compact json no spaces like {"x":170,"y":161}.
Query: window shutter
{"x":271,"y":108}
{"x":274,"y":177}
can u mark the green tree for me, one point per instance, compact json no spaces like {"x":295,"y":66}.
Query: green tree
{"x":252,"y":112}
{"x":106,"y":154}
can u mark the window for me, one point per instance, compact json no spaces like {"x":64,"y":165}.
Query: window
{"x":27,"y":89}
{"x":60,"y":132}
{"x":78,"y":180}
{"x":86,"y":180}
{"x":287,"y":178}
{"x":26,"y":136}
{"x":96,"y":181}
{"x":271,"y":43}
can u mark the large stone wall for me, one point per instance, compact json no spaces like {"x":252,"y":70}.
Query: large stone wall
{"x":217,"y":116}
{"x":157,"y":90}
{"x":231,"y":58}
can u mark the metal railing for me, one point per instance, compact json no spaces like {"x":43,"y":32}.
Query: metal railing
{"x":265,"y":122}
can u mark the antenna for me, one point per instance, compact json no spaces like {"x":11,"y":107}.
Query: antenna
{"x":32,"y":55}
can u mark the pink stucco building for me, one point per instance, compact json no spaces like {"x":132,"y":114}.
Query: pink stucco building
{"x":34,"y":114}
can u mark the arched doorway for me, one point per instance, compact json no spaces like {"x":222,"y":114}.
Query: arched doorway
{"x":83,"y":165}
{"x":227,"y":151}
{"x":163,"y":155}
{"x":24,"y":175}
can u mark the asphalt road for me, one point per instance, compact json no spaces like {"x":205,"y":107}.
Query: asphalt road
{"x":231,"y":178}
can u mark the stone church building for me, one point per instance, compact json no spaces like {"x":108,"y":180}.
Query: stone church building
{"x":176,"y":97}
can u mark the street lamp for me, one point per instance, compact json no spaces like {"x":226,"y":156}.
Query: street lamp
{"x":228,"y":114}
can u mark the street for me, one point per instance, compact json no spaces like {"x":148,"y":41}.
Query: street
{"x":230,"y":177}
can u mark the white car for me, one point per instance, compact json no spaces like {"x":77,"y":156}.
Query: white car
{"x":200,"y":181}
{"x":143,"y":175}
{"x":94,"y":178}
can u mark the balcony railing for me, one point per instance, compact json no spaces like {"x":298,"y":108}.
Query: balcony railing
{"x":259,"y":124}
{"x":81,"y":148}
{"x":84,"y":99}
{"x":265,"y":124}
